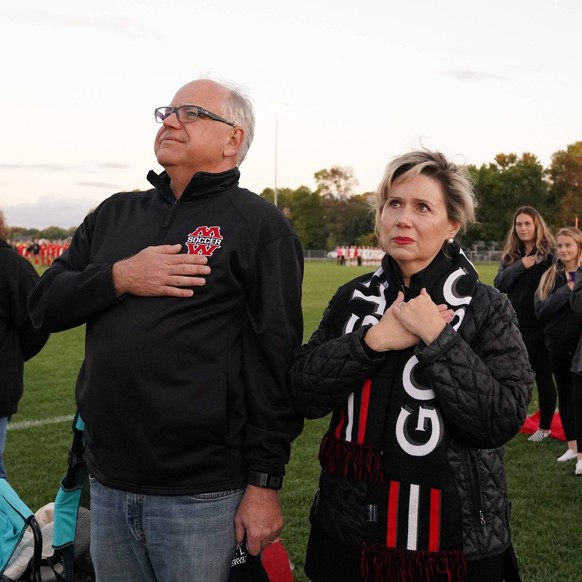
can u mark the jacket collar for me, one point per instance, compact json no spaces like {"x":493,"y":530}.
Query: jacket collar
{"x":202,"y":184}
{"x":448,"y":259}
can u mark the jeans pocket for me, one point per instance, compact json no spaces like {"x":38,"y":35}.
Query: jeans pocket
{"x":216,"y":495}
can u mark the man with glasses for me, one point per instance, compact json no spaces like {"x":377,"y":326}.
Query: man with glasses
{"x":191,"y":296}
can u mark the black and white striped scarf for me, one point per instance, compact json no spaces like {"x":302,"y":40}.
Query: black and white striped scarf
{"x":391,"y":435}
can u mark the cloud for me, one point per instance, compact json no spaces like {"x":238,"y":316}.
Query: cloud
{"x":110,"y":166}
{"x":36,"y":167}
{"x":117,"y":24}
{"x":51,"y":167}
{"x":110,"y":187}
{"x":469,"y":75}
{"x":50,"y":211}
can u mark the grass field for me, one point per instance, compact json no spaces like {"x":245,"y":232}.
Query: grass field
{"x":546,"y":496}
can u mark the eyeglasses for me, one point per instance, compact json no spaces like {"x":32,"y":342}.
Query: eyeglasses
{"x":187,"y":114}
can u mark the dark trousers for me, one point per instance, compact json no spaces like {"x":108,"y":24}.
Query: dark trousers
{"x":564,"y":382}
{"x":499,"y":568}
{"x":577,"y":405}
{"x":539,"y":360}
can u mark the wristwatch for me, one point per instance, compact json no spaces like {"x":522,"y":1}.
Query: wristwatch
{"x":259,"y":479}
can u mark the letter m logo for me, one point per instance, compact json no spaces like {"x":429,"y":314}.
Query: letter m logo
{"x":206,"y":231}
{"x":204,"y":240}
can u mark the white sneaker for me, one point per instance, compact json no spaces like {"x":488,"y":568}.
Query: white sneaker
{"x":578,"y":470}
{"x":569,"y":455}
{"x":539,"y":435}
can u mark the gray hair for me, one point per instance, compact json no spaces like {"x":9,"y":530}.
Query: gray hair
{"x":239,"y":109}
{"x":460,"y":200}
{"x":3,"y":227}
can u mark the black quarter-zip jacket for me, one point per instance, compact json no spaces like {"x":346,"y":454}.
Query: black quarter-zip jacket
{"x":183,"y":395}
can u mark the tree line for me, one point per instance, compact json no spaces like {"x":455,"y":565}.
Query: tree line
{"x":50,"y":233}
{"x":334,"y":214}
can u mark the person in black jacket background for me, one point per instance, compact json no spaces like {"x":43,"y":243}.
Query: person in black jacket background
{"x":576,"y":305}
{"x":527,"y":254}
{"x":19,"y":340}
{"x":426,"y":376}
{"x":191,"y":296}
{"x":562,"y":330}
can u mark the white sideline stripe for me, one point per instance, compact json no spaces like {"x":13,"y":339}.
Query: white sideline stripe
{"x":40,"y":422}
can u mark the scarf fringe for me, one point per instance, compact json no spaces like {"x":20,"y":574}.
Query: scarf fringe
{"x":381,"y":564}
{"x":351,"y":460}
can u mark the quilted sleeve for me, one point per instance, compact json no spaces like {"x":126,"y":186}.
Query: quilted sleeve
{"x":326,"y":370}
{"x":481,"y":375}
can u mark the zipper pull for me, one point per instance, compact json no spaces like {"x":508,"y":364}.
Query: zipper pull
{"x":482,"y":518}
{"x":315,"y":504}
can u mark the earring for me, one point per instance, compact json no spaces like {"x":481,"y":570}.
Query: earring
{"x":451,"y":241}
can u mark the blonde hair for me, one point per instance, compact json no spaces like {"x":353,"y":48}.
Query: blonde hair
{"x":460,"y":200}
{"x":548,"y":280}
{"x":514,"y":248}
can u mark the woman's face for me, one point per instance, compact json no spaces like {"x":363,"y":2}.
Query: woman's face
{"x":567,"y":250}
{"x":525,"y":228}
{"x":414,"y":223}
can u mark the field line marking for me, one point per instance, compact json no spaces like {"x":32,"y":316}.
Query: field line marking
{"x":39,"y":422}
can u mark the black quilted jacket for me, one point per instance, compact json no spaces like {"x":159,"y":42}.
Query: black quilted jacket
{"x":483,"y":382}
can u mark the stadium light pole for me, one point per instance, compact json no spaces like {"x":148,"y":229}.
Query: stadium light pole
{"x":276,"y":152}
{"x":277,"y":107}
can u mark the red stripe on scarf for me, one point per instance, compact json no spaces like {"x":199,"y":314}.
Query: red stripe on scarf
{"x":392,"y":521}
{"x":435,"y":521}
{"x":364,"y":405}
{"x":340,"y":424}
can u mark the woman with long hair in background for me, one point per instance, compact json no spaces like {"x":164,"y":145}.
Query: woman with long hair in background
{"x":527,"y":254}
{"x":562,"y":326}
{"x":576,"y":304}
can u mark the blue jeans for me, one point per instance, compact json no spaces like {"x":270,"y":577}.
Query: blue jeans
{"x":151,"y":538}
{"x":3,"y":428}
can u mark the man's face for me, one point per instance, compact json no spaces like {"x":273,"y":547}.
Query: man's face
{"x":198,"y":146}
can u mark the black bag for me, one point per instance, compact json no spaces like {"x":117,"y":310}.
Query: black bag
{"x":246,"y":568}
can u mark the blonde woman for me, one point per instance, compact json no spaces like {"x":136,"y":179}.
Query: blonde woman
{"x":562,"y":328}
{"x":527,"y":254}
{"x":576,"y":304}
{"x":426,"y":376}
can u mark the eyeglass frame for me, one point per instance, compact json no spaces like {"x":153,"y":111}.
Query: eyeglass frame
{"x":201,"y":111}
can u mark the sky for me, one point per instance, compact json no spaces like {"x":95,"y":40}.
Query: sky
{"x":333,"y":82}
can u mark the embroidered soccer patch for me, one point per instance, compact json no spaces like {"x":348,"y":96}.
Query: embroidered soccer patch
{"x":204,"y":240}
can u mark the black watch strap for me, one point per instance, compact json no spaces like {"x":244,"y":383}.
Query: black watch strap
{"x":265,"y":480}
